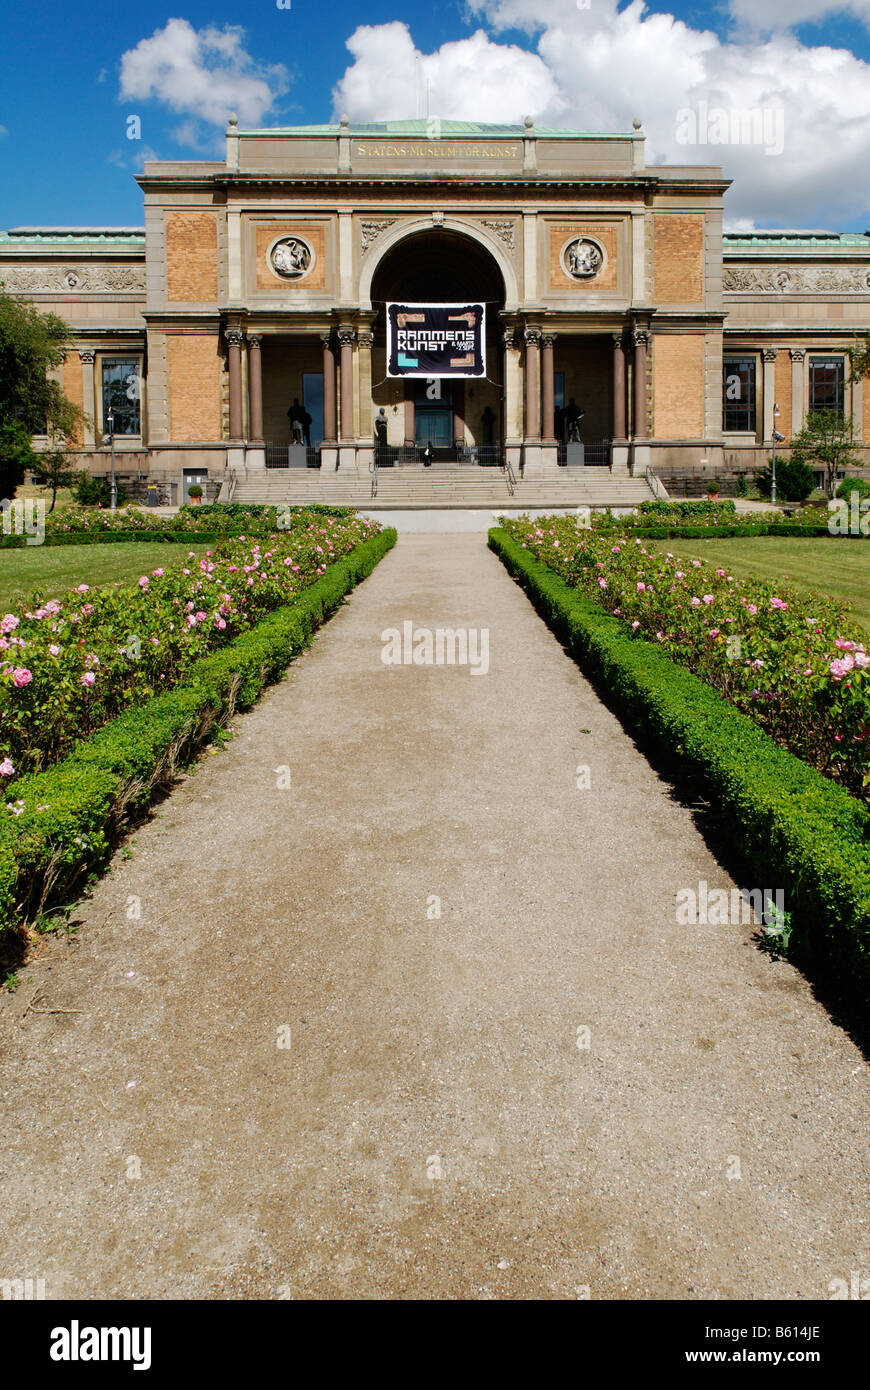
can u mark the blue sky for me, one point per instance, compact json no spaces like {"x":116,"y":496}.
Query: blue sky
{"x":68,"y":88}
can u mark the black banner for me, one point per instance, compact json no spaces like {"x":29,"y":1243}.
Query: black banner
{"x":436,"y":340}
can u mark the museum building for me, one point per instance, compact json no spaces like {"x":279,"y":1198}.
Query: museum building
{"x":245,"y":328}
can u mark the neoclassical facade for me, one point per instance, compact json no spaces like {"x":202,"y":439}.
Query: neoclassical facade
{"x":258,"y":287}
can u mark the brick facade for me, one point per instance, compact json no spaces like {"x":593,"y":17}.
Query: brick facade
{"x":191,"y":257}
{"x":678,"y":251}
{"x":194,"y":387}
{"x":678,"y":385}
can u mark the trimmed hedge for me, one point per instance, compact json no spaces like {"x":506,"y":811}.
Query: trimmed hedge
{"x":112,"y":776}
{"x":791,"y":828}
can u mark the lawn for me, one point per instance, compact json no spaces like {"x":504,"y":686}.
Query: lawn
{"x":836,"y":568}
{"x":54,"y":569}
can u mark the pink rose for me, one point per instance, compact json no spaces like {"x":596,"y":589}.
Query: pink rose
{"x":21,"y":677}
{"x":53,"y":650}
{"x":9,"y":623}
{"x":6,"y":768}
{"x":143,"y":582}
{"x":88,"y":679}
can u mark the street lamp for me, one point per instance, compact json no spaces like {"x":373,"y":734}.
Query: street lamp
{"x":110,"y":421}
{"x":777,"y":439}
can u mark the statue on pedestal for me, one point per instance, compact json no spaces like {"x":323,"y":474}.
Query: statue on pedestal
{"x":300,"y":423}
{"x":571,"y":417}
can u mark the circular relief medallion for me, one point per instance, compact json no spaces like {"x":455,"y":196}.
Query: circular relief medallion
{"x":72,"y":280}
{"x":583,"y":258}
{"x":291,"y":257}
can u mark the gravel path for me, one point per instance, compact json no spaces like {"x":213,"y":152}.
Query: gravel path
{"x":709,"y":1142}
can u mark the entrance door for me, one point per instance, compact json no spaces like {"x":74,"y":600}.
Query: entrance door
{"x":434,"y":414}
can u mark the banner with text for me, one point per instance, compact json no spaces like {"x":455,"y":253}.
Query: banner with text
{"x":436,"y":340}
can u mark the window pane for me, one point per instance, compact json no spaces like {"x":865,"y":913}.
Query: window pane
{"x":312,"y":399}
{"x":121,"y":394}
{"x":827,"y":379}
{"x":738,"y":394}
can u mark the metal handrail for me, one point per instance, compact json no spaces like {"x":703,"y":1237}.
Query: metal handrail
{"x":510,"y":476}
{"x":374,"y":471}
{"x":234,"y":478}
{"x":658,"y":488}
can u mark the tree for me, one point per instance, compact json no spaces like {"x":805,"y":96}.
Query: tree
{"x":54,"y":468}
{"x":859,"y":358}
{"x":825,"y":441}
{"x":31,"y":344}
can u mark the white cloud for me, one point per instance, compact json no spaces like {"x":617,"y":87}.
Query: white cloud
{"x":771,"y":16}
{"x":389,"y":78}
{"x":205,"y":73}
{"x":3,"y":131}
{"x":597,"y":68}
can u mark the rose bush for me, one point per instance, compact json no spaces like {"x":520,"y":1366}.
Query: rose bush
{"x":792,"y":661}
{"x":69,"y":664}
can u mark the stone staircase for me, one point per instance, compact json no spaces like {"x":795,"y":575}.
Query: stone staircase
{"x":442,"y":487}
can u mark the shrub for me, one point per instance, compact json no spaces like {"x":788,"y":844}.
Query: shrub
{"x":96,"y":492}
{"x":689,"y":511}
{"x":850,"y":485}
{"x":790,"y":827}
{"x":794,"y":480}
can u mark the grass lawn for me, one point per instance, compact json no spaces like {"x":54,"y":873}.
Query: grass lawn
{"x":54,"y":569}
{"x":835,"y":568}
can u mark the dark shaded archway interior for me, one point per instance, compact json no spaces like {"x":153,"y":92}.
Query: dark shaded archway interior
{"x":442,"y":267}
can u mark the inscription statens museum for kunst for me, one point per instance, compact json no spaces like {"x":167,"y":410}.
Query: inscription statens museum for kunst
{"x":434,"y":150}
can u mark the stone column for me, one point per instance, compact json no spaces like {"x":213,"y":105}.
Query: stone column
{"x":619,"y":410}
{"x":512,"y":424}
{"x":548,"y":422}
{"x":365,"y":339}
{"x":330,"y":431}
{"x":797,"y":388}
{"x":532,"y":431}
{"x":86,"y":357}
{"x":410,"y":414}
{"x":255,"y":387}
{"x":769,"y":391}
{"x":639,"y":423}
{"x":234,"y":345}
{"x":459,"y":413}
{"x":346,"y":339}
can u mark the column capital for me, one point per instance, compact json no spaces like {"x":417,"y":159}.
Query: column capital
{"x":639,"y":337}
{"x":532,"y":335}
{"x":797,"y":354}
{"x":508,"y":337}
{"x":346,"y":335}
{"x":234,"y":336}
{"x":617,"y":338}
{"x":548,"y":338}
{"x":769,"y":354}
{"x":327,"y":337}
{"x":87,"y":354}
{"x":255,"y":339}
{"x":365,"y":338}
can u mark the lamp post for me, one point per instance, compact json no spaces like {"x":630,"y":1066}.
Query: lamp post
{"x":110,"y":421}
{"x":777,"y":439}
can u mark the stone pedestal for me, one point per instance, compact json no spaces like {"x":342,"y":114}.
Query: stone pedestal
{"x":619,"y":460}
{"x":255,"y":456}
{"x":347,"y":458}
{"x":575,"y":454}
{"x":328,"y":458}
{"x":297,"y":456}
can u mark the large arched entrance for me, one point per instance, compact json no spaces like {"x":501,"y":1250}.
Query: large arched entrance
{"x":462,"y":420}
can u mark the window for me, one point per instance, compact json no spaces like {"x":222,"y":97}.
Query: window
{"x":827,"y":377}
{"x":120,"y":376}
{"x":738,"y":394}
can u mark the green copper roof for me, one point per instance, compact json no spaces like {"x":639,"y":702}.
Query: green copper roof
{"x":72,"y":236}
{"x":423,"y":127}
{"x":776,"y":237}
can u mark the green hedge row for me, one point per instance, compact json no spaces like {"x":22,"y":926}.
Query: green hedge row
{"x":712,"y":533}
{"x":790,"y":827}
{"x":114,"y":537}
{"x":112,"y":776}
